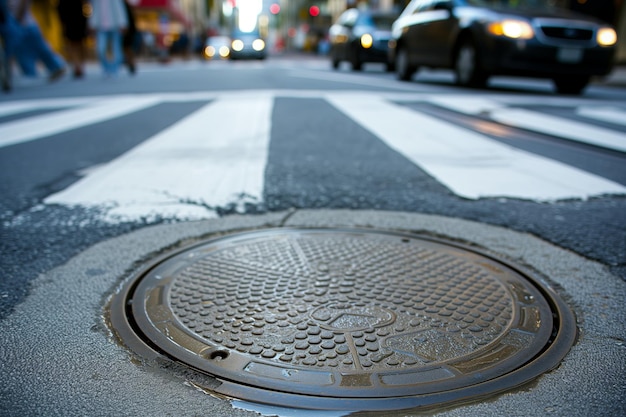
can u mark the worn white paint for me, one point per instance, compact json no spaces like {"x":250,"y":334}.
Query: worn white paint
{"x":214,"y":157}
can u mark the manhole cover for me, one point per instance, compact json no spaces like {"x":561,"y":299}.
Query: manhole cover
{"x":345,"y":319}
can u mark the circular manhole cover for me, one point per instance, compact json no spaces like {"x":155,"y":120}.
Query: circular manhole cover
{"x":346,"y":319}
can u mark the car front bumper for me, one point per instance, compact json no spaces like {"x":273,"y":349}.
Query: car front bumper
{"x":532,"y":58}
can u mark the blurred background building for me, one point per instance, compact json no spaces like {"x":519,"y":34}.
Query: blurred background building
{"x":180,"y":27}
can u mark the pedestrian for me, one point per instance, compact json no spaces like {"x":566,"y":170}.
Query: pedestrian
{"x":109,"y":20}
{"x":130,"y":39}
{"x":72,"y":14}
{"x":5,"y":65}
{"x":29,"y":46}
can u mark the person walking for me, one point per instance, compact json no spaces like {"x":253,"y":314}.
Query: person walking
{"x":130,"y":39}
{"x":29,"y":46}
{"x":109,"y":21}
{"x":5,"y":53}
{"x":74,"y":21}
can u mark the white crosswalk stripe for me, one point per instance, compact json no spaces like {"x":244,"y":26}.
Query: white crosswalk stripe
{"x":217,"y":155}
{"x":471,"y":164}
{"x":36,"y":127}
{"x":185,"y":171}
{"x":604,"y":113}
{"x":542,"y":123}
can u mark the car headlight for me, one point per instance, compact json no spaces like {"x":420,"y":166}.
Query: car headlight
{"x":511,"y":28}
{"x":367,"y":41}
{"x":606,"y":37}
{"x":224,"y":51}
{"x":237,"y":45}
{"x":258,"y":45}
{"x":209,"y":51}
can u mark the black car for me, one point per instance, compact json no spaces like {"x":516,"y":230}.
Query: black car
{"x":480,"y":38}
{"x":360,"y":36}
{"x":247,"y":45}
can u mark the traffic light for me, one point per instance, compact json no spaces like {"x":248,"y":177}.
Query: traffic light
{"x":275,"y":8}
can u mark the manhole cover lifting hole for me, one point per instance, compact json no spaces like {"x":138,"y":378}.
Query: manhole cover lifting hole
{"x":369,"y":318}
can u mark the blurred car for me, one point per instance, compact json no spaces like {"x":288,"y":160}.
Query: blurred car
{"x":480,"y":38}
{"x":217,"y":47}
{"x":360,"y":36}
{"x":248,"y":45}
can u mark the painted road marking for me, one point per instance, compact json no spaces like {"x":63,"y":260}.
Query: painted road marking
{"x":470,"y":164}
{"x":606,"y":114}
{"x":537,"y":122}
{"x":212,"y":158}
{"x":36,"y":127}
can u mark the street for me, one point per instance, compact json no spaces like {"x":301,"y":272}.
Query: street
{"x":84,"y":162}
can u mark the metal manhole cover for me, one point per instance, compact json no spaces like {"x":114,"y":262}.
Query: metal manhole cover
{"x":346,"y":319}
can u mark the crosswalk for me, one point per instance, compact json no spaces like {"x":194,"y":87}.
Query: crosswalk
{"x":217,"y":155}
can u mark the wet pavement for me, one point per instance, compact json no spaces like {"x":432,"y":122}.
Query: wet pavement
{"x":71,"y":361}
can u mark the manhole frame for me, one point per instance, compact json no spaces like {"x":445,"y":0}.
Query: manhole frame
{"x":120,"y":320}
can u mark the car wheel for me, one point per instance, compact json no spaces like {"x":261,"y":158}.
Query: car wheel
{"x":404,"y":70}
{"x":357,"y":65}
{"x":467,"y":66}
{"x":571,"y":85}
{"x":334,"y":59}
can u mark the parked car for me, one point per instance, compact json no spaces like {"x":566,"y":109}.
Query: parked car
{"x":360,"y":36}
{"x":217,"y":47}
{"x":480,"y":38}
{"x":247,"y":45}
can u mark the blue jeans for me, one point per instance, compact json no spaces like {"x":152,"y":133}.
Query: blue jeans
{"x":31,"y":48}
{"x":109,"y":41}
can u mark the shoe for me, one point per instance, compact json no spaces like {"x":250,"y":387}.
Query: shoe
{"x":78,"y":73}
{"x":56,"y":75}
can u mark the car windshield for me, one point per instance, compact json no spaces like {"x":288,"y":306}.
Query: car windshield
{"x":518,"y":4}
{"x":382,"y":22}
{"x":239,"y":33}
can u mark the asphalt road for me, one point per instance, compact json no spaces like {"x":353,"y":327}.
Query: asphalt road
{"x":317,"y":159}
{"x":324,"y":166}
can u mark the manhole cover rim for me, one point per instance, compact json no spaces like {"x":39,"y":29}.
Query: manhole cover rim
{"x":564,"y":328}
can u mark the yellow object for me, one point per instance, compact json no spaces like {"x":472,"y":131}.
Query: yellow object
{"x":606,"y":37}
{"x":367,"y":41}
{"x":511,"y":28}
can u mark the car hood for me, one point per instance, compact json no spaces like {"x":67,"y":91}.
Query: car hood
{"x":246,"y":36}
{"x":535,"y":13}
{"x":381,"y":34}
{"x":375,"y":32}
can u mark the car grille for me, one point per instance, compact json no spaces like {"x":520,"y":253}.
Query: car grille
{"x":567,"y":33}
{"x":564,"y":33}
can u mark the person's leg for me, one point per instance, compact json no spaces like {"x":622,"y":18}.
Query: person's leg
{"x":11,"y":37}
{"x":53,"y":62}
{"x":5,"y":61}
{"x":76,"y":55}
{"x":116,"y":51}
{"x":79,"y":56}
{"x":102,"y":43}
{"x":129,"y":43}
{"x":25,"y":52}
